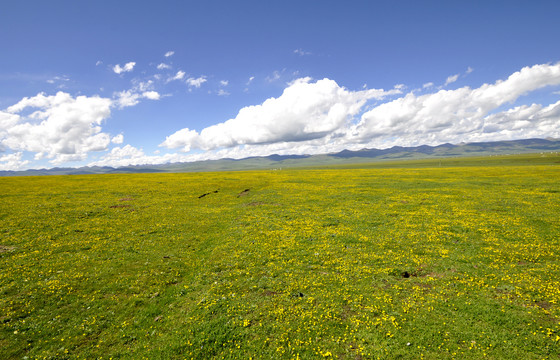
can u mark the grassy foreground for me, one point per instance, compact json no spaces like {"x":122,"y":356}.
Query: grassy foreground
{"x":433,"y":263}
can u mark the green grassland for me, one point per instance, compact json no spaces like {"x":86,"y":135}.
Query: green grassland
{"x":413,"y":260}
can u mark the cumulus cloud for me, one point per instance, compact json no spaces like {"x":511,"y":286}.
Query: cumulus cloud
{"x":463,"y":114}
{"x":309,"y":117}
{"x":304,"y":111}
{"x":169,"y":53}
{"x":13,"y":162}
{"x":59,"y":127}
{"x":196,"y":82}
{"x":62,"y":128}
{"x":151,"y":95}
{"x":318,"y":117}
{"x":128,"y":67}
{"x":222,"y":92}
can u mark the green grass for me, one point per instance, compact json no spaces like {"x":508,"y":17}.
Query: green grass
{"x":458,"y":261}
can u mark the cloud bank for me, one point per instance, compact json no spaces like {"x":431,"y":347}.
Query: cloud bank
{"x":58,"y":127}
{"x":463,"y":114}
{"x":314,"y":117}
{"x":61,"y":128}
{"x":309,"y":117}
{"x":305,"y":111}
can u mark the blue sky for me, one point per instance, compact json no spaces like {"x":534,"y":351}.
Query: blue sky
{"x":128,"y":82}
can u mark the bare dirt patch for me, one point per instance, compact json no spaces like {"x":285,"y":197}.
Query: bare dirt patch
{"x":6,"y":248}
{"x":120,"y":206}
{"x":244,"y":193}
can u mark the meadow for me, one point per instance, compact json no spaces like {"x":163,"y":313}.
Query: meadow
{"x":430,"y":262}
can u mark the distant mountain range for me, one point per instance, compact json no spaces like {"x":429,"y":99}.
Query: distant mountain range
{"x":340,"y":158}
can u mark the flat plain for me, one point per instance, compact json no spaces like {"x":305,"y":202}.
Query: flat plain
{"x":423,"y":260}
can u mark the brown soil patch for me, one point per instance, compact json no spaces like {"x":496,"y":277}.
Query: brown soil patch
{"x":244,"y":192}
{"x":5,"y":248}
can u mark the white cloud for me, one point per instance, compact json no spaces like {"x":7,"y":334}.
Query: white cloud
{"x":151,"y":95}
{"x":129,"y":155}
{"x":184,"y":138}
{"x":8,"y":119}
{"x":222,"y":92}
{"x":224,"y":83}
{"x":308,"y":117}
{"x":56,"y":79}
{"x":469,"y":70}
{"x":319,"y":117}
{"x":98,"y":62}
{"x":127,"y":98}
{"x":275,"y":76}
{"x":169,"y":53}
{"x":143,"y":85}
{"x":118,"y":139}
{"x":179,"y":76}
{"x":462,"y":114}
{"x":428,"y":85}
{"x":196,"y":82}
{"x":163,"y":66}
{"x":303,"y":112}
{"x":13,"y":162}
{"x":451,"y":79}
{"x":132,"y":97}
{"x":250,"y":80}
{"x":60,"y":128}
{"x":128,"y":67}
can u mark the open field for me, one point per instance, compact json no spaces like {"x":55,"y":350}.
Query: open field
{"x":416,"y":261}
